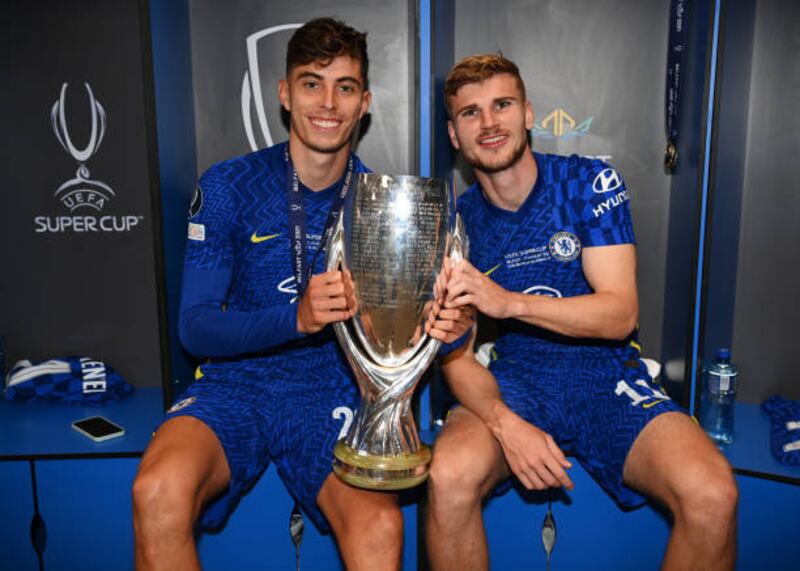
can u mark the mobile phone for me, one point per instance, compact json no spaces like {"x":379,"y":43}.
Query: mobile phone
{"x":98,"y":428}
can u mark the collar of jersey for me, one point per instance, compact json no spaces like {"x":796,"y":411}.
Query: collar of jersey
{"x":526,"y":206}
{"x":324,"y":195}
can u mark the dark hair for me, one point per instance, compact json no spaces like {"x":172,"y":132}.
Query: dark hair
{"x":476,"y":69}
{"x":323,"y":39}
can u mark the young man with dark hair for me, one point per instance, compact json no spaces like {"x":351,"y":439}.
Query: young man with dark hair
{"x":554,"y":261}
{"x":257,"y":303}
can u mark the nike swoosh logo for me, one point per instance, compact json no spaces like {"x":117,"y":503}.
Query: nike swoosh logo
{"x":654,"y":403}
{"x":488,"y":272}
{"x":258,"y":239}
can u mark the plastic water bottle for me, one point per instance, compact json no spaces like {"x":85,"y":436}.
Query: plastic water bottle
{"x":719,"y":398}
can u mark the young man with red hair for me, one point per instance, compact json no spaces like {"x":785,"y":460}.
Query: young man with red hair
{"x":552,"y":258}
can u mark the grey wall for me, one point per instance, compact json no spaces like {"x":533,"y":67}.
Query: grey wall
{"x":603,"y":61}
{"x":765,"y":341}
{"x":219,"y":61}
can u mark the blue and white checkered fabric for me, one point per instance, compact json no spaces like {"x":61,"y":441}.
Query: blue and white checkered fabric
{"x":72,"y":380}
{"x":784,"y":419}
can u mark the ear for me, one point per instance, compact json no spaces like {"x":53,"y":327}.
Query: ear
{"x":451,"y":130}
{"x":366,"y":100}
{"x":529,"y":116}
{"x":283,"y":94}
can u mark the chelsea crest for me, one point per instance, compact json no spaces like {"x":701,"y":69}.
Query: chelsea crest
{"x":565,"y":246}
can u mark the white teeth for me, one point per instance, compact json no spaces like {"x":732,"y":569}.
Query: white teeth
{"x":493,"y":140}
{"x":325,"y":124}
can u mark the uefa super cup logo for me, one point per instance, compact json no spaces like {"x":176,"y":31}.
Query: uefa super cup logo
{"x":81,"y":191}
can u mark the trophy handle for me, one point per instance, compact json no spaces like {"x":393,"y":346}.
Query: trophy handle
{"x":386,"y":378}
{"x":459,"y":243}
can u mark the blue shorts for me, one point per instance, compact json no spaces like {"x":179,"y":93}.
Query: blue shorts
{"x":289,"y":409}
{"x":593,"y":408}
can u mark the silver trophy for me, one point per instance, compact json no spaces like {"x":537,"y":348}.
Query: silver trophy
{"x":393,"y":235}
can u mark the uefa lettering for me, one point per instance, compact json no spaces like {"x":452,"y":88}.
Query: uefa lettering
{"x":82,"y":193}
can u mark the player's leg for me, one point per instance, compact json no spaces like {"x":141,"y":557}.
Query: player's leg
{"x":675,"y":462}
{"x":467,"y":463}
{"x":183,"y":467}
{"x":368,"y":525}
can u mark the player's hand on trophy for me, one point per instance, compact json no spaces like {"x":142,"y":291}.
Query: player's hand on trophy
{"x":447,"y":324}
{"x":329,"y":297}
{"x":469,"y":286}
{"x":350,"y":293}
{"x":532,"y":454}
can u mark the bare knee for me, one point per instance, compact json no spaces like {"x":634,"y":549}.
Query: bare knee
{"x":453,"y":480}
{"x":707,"y":496}
{"x":374,"y":521}
{"x":162,"y":498}
{"x":458,"y":481}
{"x":385,"y":521}
{"x":183,"y":467}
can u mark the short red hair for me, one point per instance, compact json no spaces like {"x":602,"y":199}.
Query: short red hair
{"x":477,"y":69}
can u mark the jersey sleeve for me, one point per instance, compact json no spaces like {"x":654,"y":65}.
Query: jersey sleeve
{"x":602,"y":204}
{"x":206,"y":327}
{"x":212,"y":219}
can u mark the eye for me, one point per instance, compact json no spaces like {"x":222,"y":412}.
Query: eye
{"x":310,"y":84}
{"x":346,"y":88}
{"x":471,"y":112}
{"x":504,"y":103}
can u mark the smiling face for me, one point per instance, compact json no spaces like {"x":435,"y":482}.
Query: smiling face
{"x":490,"y":123}
{"x":325,"y":103}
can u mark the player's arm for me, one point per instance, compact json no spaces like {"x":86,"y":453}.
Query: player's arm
{"x":207,"y":326}
{"x":610,"y":312}
{"x":532,"y":454}
{"x":209,"y":329}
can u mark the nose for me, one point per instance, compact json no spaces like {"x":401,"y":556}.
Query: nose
{"x":487,"y":119}
{"x":329,"y":97}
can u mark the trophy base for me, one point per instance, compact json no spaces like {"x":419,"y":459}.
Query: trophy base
{"x":374,"y":472}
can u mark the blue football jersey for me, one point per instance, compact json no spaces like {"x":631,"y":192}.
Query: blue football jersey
{"x":269,"y":393}
{"x":242,"y":223}
{"x":239,"y":229}
{"x":576,"y":203}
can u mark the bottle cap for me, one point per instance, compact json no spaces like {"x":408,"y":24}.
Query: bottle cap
{"x":723,"y":353}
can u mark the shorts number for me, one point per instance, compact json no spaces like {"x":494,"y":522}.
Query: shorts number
{"x":343,"y":412}
{"x":623,"y":388}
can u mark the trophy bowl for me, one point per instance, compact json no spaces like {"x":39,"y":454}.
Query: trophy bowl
{"x":392,"y":235}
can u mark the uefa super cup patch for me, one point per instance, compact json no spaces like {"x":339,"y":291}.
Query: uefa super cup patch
{"x":197,"y":232}
{"x":564,"y":246}
{"x":181,"y":404}
{"x":73,"y":380}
